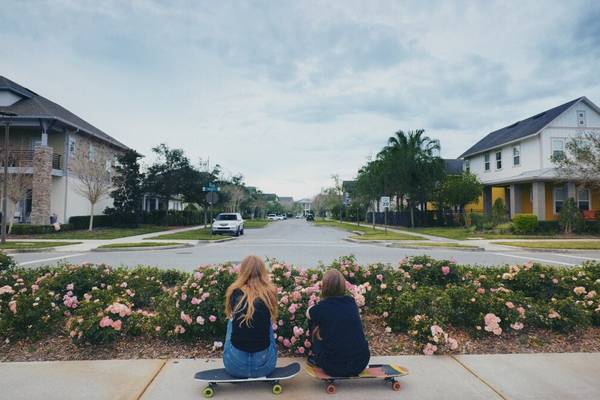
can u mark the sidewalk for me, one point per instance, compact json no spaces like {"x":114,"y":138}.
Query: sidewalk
{"x":499,"y":376}
{"x":89,"y":244}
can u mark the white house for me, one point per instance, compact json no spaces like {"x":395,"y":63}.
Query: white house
{"x":517,"y":158}
{"x":45,"y":136}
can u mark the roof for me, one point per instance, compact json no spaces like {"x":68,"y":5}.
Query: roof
{"x":453,"y":166}
{"x":348,"y":186}
{"x":32,"y":105}
{"x":286,"y":199}
{"x":520,"y":129}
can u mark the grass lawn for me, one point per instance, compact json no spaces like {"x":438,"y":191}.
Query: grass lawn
{"x":255,"y":223}
{"x":463,"y":233}
{"x":102,"y":233}
{"x":33,"y":245}
{"x":138,"y":244}
{"x":556,"y":244}
{"x":368,"y":232}
{"x":196,"y":234}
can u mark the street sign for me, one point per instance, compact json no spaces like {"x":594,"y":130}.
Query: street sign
{"x":346,"y":199}
{"x":212,"y":198}
{"x":212,"y":187}
{"x":385,"y":201}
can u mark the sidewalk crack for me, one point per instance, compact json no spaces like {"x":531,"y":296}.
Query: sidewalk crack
{"x":479,"y":378}
{"x":152,"y":380}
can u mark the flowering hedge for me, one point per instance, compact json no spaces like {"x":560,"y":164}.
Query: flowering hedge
{"x":420,"y":296}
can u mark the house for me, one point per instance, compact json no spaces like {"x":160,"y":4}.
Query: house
{"x":515,"y":163}
{"x":287,"y":202}
{"x":47,"y":136}
{"x":306,"y":205}
{"x":152,"y":202}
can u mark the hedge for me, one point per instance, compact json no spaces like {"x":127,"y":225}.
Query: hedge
{"x":525,"y":224}
{"x":420,"y":296}
{"x":27,"y":229}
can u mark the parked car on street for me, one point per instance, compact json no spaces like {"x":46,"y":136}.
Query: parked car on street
{"x":310,"y":217}
{"x":272,"y":217}
{"x":228,"y":223}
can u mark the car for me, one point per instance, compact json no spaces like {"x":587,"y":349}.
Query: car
{"x":298,"y":216}
{"x":272,"y":217}
{"x":228,"y":223}
{"x":310,"y":217}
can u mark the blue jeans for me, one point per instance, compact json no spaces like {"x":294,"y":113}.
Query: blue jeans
{"x":241,"y":364}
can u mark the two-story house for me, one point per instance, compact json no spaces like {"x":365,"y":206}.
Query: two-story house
{"x":47,"y":136}
{"x":517,"y":160}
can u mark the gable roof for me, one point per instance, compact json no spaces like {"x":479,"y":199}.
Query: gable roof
{"x":520,"y":129}
{"x":453,"y":167}
{"x":32,"y":105}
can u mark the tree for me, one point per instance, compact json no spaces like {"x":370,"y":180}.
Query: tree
{"x":127,"y":183}
{"x":581,"y":159}
{"x":369,"y":184}
{"x":93,"y":173}
{"x":570,"y":218}
{"x":456,"y":191}
{"x":18,"y":182}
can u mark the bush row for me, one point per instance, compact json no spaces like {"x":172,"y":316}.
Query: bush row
{"x":27,"y":229}
{"x":168,"y":218}
{"x":419,"y":296}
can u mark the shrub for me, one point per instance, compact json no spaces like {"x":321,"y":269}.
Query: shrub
{"x":479,"y":220}
{"x":26,"y":229}
{"x":570,"y":219}
{"x":499,"y":212}
{"x":6,"y":262}
{"x":548,"y":227}
{"x":83,"y":221}
{"x":525,"y":224}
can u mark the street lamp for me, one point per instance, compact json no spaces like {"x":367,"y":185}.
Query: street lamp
{"x":6,"y":115}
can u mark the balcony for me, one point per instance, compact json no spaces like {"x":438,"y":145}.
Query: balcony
{"x":24,"y":159}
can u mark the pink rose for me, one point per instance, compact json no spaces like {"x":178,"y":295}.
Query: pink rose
{"x":70,"y":286}
{"x":117,"y":325}
{"x":453,"y":343}
{"x":106,"y":322}
{"x":509,"y":304}
{"x":429,"y":349}
{"x":379,"y":277}
{"x":286,"y":342}
{"x":307,"y":344}
{"x":300,"y":350}
{"x":292,"y":309}
{"x":445,"y":270}
{"x":185,"y":318}
{"x":12,"y":306}
{"x":195,"y":301}
{"x":212,"y":318}
{"x":199,"y":320}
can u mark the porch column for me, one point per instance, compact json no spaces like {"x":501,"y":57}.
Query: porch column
{"x":41,"y":185}
{"x":515,"y":200}
{"x":538,"y":191}
{"x":487,"y":200}
{"x":571,"y":191}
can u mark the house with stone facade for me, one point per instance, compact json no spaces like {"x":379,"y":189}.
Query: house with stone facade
{"x":47,"y":137}
{"x":514,"y":163}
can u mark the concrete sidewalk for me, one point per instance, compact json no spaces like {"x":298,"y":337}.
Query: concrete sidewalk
{"x":499,"y":376}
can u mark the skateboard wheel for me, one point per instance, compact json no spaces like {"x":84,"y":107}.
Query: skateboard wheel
{"x":330,"y":388}
{"x":208,"y":392}
{"x":277,"y":388}
{"x":396,"y":386}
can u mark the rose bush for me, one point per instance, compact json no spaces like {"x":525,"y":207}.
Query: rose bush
{"x":423,"y":297}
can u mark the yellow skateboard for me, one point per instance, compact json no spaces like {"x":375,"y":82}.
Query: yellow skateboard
{"x":388,"y":372}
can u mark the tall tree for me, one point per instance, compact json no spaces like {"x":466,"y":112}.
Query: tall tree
{"x":18,"y":182}
{"x":581,"y":160}
{"x":127,"y":183}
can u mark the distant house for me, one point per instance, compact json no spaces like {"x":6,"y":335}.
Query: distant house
{"x":514,"y":163}
{"x":306,"y":205}
{"x":46,"y":136}
{"x":287,"y":202}
{"x":152,"y":202}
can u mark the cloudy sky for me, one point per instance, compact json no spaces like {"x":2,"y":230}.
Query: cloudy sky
{"x":289,"y":93}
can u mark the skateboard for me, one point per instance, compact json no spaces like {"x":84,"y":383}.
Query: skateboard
{"x":215,"y":376}
{"x":388,"y":372}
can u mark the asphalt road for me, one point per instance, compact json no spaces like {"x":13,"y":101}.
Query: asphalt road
{"x":300,"y":243}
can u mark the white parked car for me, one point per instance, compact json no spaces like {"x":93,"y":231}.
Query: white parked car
{"x":272,"y":217}
{"x":228,"y":223}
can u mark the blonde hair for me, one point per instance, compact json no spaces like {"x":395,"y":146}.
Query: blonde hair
{"x":254,"y":282}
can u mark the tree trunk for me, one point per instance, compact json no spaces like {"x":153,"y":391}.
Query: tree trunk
{"x":412,"y":214}
{"x":91,"y":217}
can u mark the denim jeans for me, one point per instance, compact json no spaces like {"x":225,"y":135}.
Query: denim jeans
{"x":241,"y":364}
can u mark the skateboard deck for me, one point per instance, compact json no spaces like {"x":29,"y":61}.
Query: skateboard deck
{"x":388,"y":372}
{"x":220,"y":375}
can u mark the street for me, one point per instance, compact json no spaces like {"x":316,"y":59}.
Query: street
{"x":297,"y":242}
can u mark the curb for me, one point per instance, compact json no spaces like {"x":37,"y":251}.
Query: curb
{"x":396,"y":245}
{"x":541,"y":250}
{"x":349,"y":239}
{"x":41,"y":250}
{"x":225,"y":239}
{"x":119,"y":249}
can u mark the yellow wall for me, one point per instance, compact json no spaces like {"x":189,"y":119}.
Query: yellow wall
{"x":550,"y":216}
{"x":477,"y":206}
{"x":595,"y":199}
{"x":526,"y":206}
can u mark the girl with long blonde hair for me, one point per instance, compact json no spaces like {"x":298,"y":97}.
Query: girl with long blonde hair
{"x":251,"y":308}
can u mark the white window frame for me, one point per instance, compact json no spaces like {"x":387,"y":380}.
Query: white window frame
{"x":581,"y":123}
{"x":467,"y":165}
{"x":498,"y":159}
{"x":91,"y":152}
{"x":555,"y":199}
{"x":589,"y":199}
{"x":516,"y":150}
{"x":486,"y":162}
{"x":562,"y":145}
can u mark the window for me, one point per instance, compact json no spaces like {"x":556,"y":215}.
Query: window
{"x":486,"y":161}
{"x":72,"y":146}
{"x":580,"y":118}
{"x":583,"y":199}
{"x":467,"y":166}
{"x":558,"y":147}
{"x":560,"y":195}
{"x":517,"y":155}
{"x":91,"y":152}
{"x":498,"y":160}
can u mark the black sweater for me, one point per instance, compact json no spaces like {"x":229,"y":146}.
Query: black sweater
{"x":254,"y":336}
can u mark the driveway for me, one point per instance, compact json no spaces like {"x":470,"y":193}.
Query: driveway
{"x":300,"y":243}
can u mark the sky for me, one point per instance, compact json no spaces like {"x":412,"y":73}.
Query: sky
{"x":288,"y":93}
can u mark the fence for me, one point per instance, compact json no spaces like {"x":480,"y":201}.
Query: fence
{"x":422,"y":218}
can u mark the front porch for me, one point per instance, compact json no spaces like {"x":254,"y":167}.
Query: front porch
{"x":544,"y":199}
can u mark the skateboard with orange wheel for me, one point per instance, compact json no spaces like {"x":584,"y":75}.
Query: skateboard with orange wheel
{"x":390,"y":373}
